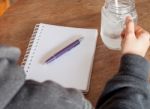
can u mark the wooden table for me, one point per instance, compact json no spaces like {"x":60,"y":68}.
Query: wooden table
{"x":17,"y":24}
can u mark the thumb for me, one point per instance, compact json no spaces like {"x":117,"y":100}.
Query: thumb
{"x":130,"y":29}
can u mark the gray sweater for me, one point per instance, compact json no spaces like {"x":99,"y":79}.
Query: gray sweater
{"x":127,"y":90}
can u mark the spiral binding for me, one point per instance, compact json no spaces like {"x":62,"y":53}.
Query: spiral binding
{"x":34,"y":34}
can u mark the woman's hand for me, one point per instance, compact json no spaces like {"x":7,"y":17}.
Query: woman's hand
{"x":135,"y":40}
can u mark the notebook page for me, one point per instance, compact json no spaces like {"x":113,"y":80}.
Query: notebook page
{"x":73,"y":69}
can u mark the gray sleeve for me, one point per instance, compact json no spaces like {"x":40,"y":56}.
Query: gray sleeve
{"x":11,"y":75}
{"x":129,"y":89}
{"x":16,"y":93}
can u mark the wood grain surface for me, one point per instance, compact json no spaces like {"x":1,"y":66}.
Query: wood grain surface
{"x":17,"y":24}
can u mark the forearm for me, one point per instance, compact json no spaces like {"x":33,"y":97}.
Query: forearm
{"x":11,"y":75}
{"x":129,"y":88}
{"x":14,"y":89}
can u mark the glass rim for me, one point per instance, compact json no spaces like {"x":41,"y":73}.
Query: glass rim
{"x":121,"y":9}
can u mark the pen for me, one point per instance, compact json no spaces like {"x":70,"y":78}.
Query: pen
{"x":64,"y":50}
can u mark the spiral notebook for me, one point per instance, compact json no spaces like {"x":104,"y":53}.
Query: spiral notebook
{"x":72,"y":69}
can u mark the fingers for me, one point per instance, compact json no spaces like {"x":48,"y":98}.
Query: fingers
{"x":145,"y":36}
{"x":141,"y":33}
{"x":134,"y":32}
{"x":130,"y":29}
{"x":139,"y":30}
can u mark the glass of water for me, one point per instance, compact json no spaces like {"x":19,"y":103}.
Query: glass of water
{"x":113,"y":17}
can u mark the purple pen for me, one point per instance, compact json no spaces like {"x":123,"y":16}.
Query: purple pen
{"x":64,"y":50}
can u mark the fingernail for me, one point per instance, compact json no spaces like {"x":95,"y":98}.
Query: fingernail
{"x":129,"y":19}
